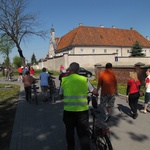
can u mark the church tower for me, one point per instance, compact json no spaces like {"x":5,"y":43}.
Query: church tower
{"x":52,"y":44}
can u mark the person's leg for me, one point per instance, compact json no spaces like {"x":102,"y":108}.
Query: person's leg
{"x":109,"y":106}
{"x":134,"y":105}
{"x":69,"y":121}
{"x":26,"y":93}
{"x":83,"y":130}
{"x":133,"y":100}
{"x":46,"y":93}
{"x":131,"y":103}
{"x":43,"y":92}
{"x":147,"y":98}
{"x":29,"y":91}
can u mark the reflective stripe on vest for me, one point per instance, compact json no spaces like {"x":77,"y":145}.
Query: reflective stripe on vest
{"x":75,"y":103}
{"x":75,"y":97}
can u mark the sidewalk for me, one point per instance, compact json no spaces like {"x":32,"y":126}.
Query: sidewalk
{"x":40,"y":127}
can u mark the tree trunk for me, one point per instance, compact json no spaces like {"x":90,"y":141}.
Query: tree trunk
{"x":21,"y":54}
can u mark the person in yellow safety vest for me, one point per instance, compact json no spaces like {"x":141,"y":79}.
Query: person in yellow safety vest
{"x":73,"y":90}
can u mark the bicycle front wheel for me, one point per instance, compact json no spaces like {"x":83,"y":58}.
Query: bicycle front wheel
{"x":103,"y":143}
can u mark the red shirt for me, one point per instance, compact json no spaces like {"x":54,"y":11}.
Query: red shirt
{"x":133,"y":87}
{"x":20,"y":70}
{"x":32,"y":71}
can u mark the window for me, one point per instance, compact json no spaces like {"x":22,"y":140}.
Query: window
{"x":128,"y":51}
{"x":105,"y":50}
{"x":116,"y":50}
{"x":93,"y":50}
{"x":81,"y":50}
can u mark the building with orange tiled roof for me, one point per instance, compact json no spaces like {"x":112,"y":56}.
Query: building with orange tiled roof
{"x":97,"y":40}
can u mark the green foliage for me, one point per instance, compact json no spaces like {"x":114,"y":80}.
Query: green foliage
{"x":136,"y":50}
{"x":33,"y":59}
{"x":6,"y":46}
{"x":17,"y":61}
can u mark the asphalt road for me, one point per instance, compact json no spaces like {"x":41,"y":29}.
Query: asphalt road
{"x":41,"y":127}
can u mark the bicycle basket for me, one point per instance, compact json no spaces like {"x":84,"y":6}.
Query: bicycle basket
{"x":100,"y":128}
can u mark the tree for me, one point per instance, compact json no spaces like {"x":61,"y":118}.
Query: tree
{"x":17,"y":23}
{"x":6,"y":46}
{"x":137,"y":50}
{"x":17,"y":61}
{"x":33,"y":59}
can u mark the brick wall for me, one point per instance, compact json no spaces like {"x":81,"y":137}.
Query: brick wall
{"x":122,"y":72}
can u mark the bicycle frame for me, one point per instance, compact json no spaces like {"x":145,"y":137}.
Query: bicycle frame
{"x":34,"y":88}
{"x":99,"y":132}
{"x":52,"y":87}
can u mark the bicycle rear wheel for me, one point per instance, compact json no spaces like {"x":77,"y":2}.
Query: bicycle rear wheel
{"x":103,"y":143}
{"x":36,"y":99}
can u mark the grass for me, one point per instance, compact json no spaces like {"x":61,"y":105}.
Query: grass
{"x":8,"y":99}
{"x":121,"y":88}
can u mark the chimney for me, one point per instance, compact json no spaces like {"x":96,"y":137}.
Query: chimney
{"x":101,"y":26}
{"x":80,"y":24}
{"x":147,"y":37}
{"x":113,"y":26}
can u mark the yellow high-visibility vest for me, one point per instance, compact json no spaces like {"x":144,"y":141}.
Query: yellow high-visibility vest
{"x":75,"y":88}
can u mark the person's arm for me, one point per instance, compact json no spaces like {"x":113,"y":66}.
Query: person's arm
{"x":61,"y":92}
{"x":127,"y":90}
{"x":91,"y":88}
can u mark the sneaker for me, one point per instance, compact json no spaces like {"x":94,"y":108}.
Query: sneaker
{"x":143,"y":111}
{"x":135,"y":116}
{"x":107,"y":118}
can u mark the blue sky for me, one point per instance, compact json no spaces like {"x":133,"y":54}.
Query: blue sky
{"x":66,"y":15}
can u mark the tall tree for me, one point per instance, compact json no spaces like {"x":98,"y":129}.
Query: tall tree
{"x":33,"y":59}
{"x":6,"y":46}
{"x":17,"y":23}
{"x":17,"y":61}
{"x":137,"y":50}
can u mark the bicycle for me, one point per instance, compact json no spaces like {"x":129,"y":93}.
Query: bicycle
{"x":34,"y":89}
{"x":99,"y":132}
{"x":52,"y":87}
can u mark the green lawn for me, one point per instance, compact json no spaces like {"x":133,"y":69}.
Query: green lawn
{"x":121,"y":88}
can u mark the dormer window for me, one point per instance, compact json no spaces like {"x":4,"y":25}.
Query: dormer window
{"x":93,"y":50}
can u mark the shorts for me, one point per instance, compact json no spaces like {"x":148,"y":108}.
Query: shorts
{"x":20,"y":74}
{"x":107,"y":100}
{"x":147,"y":98}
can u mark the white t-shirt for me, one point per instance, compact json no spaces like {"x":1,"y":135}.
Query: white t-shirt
{"x":147,"y":80}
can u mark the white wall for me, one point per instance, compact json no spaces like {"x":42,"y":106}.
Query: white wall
{"x":88,"y":61}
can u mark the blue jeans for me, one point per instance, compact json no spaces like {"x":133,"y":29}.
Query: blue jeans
{"x":80,"y":121}
{"x":147,"y":98}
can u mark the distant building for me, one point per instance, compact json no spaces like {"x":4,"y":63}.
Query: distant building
{"x":97,"y":40}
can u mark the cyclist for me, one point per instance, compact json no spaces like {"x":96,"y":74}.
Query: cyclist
{"x":74,"y":89}
{"x":44,"y":83}
{"x":28,"y":80}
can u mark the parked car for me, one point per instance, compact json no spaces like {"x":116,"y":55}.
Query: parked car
{"x":85,"y":72}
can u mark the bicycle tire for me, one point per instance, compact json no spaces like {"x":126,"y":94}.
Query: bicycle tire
{"x":36,"y":99}
{"x":103,"y":143}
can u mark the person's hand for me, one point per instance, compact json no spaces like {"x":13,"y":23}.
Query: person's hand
{"x":95,"y":91}
{"x":127,"y":99}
